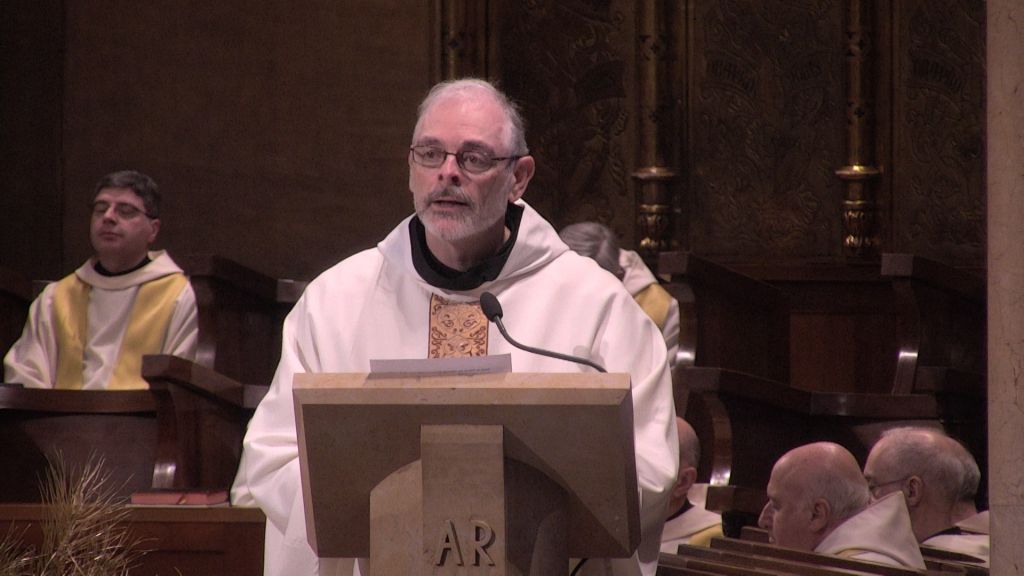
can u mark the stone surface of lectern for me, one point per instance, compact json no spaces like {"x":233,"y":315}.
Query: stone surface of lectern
{"x":509,"y":473}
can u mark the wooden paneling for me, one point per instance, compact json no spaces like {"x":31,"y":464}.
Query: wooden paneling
{"x":938,"y":142}
{"x":571,"y":66}
{"x":767,"y":128}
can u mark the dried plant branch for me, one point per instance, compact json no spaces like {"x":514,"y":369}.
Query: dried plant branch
{"x":84,"y":530}
{"x":13,"y":560}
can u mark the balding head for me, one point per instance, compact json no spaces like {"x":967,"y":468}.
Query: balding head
{"x":930,"y":468}
{"x":812,"y":489}
{"x":689,"y":445}
{"x":689,"y":457}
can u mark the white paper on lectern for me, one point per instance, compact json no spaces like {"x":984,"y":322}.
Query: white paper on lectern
{"x":470,"y":365}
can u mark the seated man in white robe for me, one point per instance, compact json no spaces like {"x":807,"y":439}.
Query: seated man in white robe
{"x":937,"y":475}
{"x":819,"y":501}
{"x":597,"y":241}
{"x":89,"y":330}
{"x":688,"y":522}
{"x":468,"y":168}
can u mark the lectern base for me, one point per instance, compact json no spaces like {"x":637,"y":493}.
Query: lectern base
{"x":466,"y":509}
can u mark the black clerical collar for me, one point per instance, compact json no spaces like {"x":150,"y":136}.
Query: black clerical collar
{"x":440,"y":276}
{"x":682,"y":510}
{"x":98,"y":267}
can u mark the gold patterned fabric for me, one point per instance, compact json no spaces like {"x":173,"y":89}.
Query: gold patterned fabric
{"x":457,"y":329}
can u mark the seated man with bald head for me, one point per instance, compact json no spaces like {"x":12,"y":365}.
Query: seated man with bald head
{"x":688,"y":521}
{"x":938,"y":477}
{"x":818,"y":500}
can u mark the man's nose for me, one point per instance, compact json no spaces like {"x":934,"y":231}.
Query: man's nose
{"x":765,"y":520}
{"x":450,"y":172}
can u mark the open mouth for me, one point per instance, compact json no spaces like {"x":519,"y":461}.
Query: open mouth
{"x":449,"y":203}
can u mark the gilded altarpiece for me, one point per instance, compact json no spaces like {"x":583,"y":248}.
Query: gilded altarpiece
{"x":938,"y":163}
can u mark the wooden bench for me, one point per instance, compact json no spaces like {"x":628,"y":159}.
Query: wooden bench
{"x":190,"y":541}
{"x":739,"y":561}
{"x":766,"y":550}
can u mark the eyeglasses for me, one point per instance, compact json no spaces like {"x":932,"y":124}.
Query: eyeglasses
{"x":123,"y":211}
{"x":472,"y":161}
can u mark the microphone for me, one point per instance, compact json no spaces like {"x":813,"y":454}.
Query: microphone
{"x":492,"y":309}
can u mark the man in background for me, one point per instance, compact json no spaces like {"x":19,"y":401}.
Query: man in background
{"x":597,"y":241}
{"x":688,"y":521}
{"x":819,"y":501}
{"x":89,"y":330}
{"x":936,"y":475}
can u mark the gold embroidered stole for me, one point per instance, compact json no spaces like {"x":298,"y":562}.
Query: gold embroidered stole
{"x":147,"y":325}
{"x":457,"y":329}
{"x":655,"y":301}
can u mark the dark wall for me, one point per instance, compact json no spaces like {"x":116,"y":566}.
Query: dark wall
{"x":31,"y":50}
{"x":278,"y":130}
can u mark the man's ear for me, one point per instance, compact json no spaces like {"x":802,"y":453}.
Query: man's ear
{"x":821,"y":515}
{"x":522,"y":172}
{"x":687,"y":476}
{"x":155,"y":225}
{"x":914,"y":491}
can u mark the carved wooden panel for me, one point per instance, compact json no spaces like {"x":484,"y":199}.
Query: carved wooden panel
{"x":570,"y":64}
{"x":938,"y":165}
{"x":767,"y":128}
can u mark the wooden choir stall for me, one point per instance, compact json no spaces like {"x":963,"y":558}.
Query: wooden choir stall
{"x":183,"y":434}
{"x":840,"y":353}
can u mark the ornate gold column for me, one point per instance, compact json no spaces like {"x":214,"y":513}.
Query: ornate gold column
{"x":860,"y":239}
{"x":1004,"y":157}
{"x":656,"y":174}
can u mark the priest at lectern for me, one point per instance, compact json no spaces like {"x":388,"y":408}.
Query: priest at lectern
{"x":417,"y":293}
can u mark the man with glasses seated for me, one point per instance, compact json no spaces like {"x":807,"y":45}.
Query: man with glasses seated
{"x":939,"y":479}
{"x":818,"y":500}
{"x":417,"y":293}
{"x":89,"y":330}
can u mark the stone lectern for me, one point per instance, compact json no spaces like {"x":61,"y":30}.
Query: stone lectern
{"x":498,"y":474}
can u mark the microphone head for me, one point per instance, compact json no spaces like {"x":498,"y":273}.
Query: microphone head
{"x":490,"y":305}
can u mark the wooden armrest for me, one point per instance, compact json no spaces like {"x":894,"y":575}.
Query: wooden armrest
{"x":203,"y":416}
{"x":237,"y":275}
{"x":163,"y":369}
{"x":812,"y":402}
{"x":949,"y":279}
{"x":76,"y":401}
{"x":289,"y":291}
{"x":240,"y":312}
{"x":678,"y":265}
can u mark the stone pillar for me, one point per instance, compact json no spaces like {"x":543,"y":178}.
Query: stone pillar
{"x":1005,"y":178}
